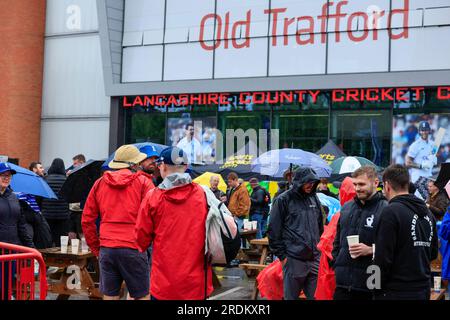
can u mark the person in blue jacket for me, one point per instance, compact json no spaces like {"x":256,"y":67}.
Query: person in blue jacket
{"x":444,"y":235}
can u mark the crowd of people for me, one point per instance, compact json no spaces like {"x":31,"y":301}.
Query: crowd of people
{"x":145,"y":221}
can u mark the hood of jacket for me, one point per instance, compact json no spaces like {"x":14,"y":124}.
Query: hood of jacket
{"x":347,"y":191}
{"x":177,"y":187}
{"x":120,"y":179}
{"x":412,"y":202}
{"x":303,"y":176}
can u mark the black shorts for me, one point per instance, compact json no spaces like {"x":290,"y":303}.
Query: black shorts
{"x":124,"y":264}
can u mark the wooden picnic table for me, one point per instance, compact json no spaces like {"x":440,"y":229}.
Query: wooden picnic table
{"x":247,"y":236}
{"x":75,"y":278}
{"x":263,"y":244}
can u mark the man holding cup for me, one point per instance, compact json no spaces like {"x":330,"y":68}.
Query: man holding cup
{"x":406,"y":241}
{"x":355,"y":235}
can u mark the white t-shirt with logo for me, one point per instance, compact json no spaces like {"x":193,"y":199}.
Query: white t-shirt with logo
{"x":192,"y":148}
{"x":419,"y":151}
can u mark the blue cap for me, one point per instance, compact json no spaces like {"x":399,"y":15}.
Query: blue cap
{"x":173,"y":156}
{"x":424,"y":126}
{"x":149,"y":150}
{"x":4,"y":167}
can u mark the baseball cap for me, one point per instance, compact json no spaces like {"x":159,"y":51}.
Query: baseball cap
{"x":424,"y":126}
{"x":173,"y":156}
{"x":150,"y":151}
{"x":4,"y":167}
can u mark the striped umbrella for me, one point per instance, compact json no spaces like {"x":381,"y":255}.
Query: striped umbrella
{"x":350,"y":164}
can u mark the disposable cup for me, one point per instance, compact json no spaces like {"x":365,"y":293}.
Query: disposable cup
{"x":351,"y":241}
{"x":75,"y":245}
{"x":254,"y":225}
{"x":64,"y":243}
{"x":84,"y":246}
{"x":437,"y":283}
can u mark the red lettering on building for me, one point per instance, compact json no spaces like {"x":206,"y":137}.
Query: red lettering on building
{"x":444,"y":93}
{"x":332,"y":11}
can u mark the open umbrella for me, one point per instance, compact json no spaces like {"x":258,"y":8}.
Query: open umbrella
{"x":333,"y":204}
{"x":275,"y":162}
{"x":158,"y":147}
{"x":28,"y":182}
{"x":80,"y":181}
{"x":330,"y":152}
{"x":205,"y":178}
{"x":345,"y":165}
{"x":240,"y":163}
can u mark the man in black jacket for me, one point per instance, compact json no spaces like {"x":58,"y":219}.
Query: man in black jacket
{"x":56,"y":211}
{"x":296,"y":225}
{"x":406,"y":241}
{"x":259,"y":206}
{"x":358,"y":217}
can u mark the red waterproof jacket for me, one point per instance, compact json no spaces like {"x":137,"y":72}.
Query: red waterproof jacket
{"x":174,"y":221}
{"x":116,"y":198}
{"x":326,"y":282}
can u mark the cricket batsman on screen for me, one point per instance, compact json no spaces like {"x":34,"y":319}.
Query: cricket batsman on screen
{"x":421,"y":157}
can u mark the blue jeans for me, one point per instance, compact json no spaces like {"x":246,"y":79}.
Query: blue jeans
{"x":262,"y":222}
{"x":240,"y":223}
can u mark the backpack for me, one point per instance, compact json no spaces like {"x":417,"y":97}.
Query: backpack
{"x":222,"y":241}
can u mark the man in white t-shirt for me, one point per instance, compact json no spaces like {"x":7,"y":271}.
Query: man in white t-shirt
{"x":420,"y":158}
{"x":191,"y":145}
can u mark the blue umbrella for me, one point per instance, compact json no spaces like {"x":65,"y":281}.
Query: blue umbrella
{"x":333,"y":204}
{"x":158,"y":147}
{"x":28,"y":182}
{"x":275,"y":162}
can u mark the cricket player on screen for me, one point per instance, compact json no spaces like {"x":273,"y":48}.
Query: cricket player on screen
{"x":421,"y":158}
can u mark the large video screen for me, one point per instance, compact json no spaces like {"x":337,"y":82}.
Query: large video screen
{"x":196,"y":136}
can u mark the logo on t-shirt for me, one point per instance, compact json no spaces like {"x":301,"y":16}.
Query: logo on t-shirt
{"x":369,"y":221}
{"x":416,"y":241}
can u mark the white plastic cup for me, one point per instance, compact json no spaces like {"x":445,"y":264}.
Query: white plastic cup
{"x":75,"y":245}
{"x":84,"y":246}
{"x":247,"y":225}
{"x":254,"y":225}
{"x":351,"y":241}
{"x":437,"y":283}
{"x":64,"y":243}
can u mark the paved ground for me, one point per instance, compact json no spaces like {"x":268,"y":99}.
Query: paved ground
{"x":235,"y":285}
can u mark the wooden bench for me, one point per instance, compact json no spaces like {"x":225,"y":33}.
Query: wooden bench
{"x":437,"y":295}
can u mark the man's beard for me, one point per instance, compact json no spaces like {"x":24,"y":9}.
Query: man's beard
{"x":149,"y":171}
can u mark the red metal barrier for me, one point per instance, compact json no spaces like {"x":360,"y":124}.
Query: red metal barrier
{"x":17,"y":273}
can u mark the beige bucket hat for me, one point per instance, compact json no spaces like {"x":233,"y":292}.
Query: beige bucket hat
{"x":126,"y":156}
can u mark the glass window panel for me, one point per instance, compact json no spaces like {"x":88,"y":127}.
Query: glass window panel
{"x":296,"y":58}
{"x":187,"y":61}
{"x":238,"y":10}
{"x":183,"y":20}
{"x":142,"y":64}
{"x":363,"y":133}
{"x":244,"y":62}
{"x":423,"y":50}
{"x":307,"y":131}
{"x":348,"y":56}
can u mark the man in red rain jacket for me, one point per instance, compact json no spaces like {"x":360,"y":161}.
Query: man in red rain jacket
{"x":172,"y":218}
{"x":116,"y":198}
{"x":326,"y":282}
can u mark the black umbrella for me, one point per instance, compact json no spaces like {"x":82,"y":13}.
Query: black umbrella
{"x":80,"y":181}
{"x":330,"y":151}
